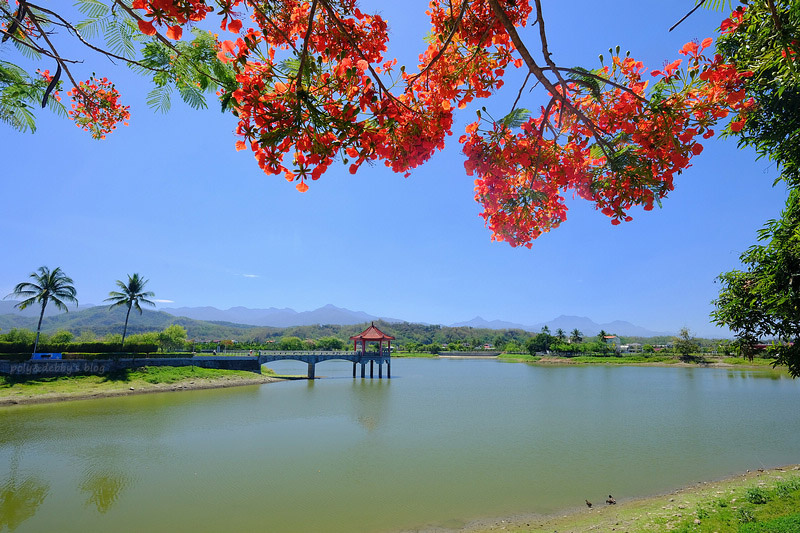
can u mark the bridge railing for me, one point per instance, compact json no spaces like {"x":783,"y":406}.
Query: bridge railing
{"x":290,"y":353}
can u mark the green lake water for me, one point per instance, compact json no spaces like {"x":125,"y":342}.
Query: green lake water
{"x":442,"y":443}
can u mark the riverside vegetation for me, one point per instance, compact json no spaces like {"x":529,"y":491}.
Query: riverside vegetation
{"x":755,"y":502}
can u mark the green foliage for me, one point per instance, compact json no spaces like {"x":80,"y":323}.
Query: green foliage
{"x":539,"y":343}
{"x":9,"y":347}
{"x":516,"y":118}
{"x":764,"y":44}
{"x":61,"y":337}
{"x":785,"y":524}
{"x":756,"y":495}
{"x":290,"y":343}
{"x":510,"y":347}
{"x":150,"y":337}
{"x":20,"y":95}
{"x":764,"y":300}
{"x":684,"y":344}
{"x":113,"y":338}
{"x":330,"y":343}
{"x":19,"y":336}
{"x":750,"y":509}
{"x":86,"y":336}
{"x":191,"y":68}
{"x":173,"y":338}
{"x":45,"y":286}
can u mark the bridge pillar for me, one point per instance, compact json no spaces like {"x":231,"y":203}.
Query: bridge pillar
{"x":380,"y":369}
{"x":354,"y":369}
{"x":371,"y":368}
{"x":363,"y":368}
{"x":388,"y":369}
{"x":311,"y":371}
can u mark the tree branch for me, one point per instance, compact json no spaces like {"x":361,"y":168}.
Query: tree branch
{"x":60,"y":61}
{"x":686,"y":16}
{"x":332,"y":14}
{"x":89,"y":45}
{"x":305,"y":45}
{"x":446,"y":43}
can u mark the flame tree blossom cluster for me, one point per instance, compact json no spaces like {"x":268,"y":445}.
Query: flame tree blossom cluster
{"x":96,"y":107}
{"x":603,"y":139}
{"x":310,"y":83}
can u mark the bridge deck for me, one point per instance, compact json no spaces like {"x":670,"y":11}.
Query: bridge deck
{"x":314,"y":357}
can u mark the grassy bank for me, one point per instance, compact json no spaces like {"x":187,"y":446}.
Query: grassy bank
{"x":637,"y":359}
{"x":15,"y":390}
{"x":414,"y":354}
{"x":756,"y":502}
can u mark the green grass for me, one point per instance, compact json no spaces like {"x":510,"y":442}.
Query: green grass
{"x":719,"y":506}
{"x":521,"y":357}
{"x":592,"y":359}
{"x":413,"y":354}
{"x":753,"y":509}
{"x":12,"y":387}
{"x":757,"y":361}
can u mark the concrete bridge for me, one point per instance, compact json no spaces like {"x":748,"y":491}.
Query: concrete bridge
{"x":231,"y":361}
{"x":312,"y":358}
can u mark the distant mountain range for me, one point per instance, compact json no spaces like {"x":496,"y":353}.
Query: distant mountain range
{"x":217,"y":322}
{"x":330,"y":314}
{"x":279,"y":318}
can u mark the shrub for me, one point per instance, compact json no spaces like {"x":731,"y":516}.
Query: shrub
{"x":784,"y":524}
{"x":746,"y":515}
{"x":757,"y":496}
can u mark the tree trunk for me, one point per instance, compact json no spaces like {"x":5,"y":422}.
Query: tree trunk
{"x":125,"y":329}
{"x":39,"y":327}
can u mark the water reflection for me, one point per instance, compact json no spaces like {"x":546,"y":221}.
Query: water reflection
{"x":102,"y":489}
{"x":369,"y":401}
{"x":20,"y":498}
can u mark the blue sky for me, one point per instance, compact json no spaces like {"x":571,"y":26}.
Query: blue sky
{"x":170,"y":198}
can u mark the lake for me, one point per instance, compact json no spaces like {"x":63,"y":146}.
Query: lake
{"x":442,"y":443}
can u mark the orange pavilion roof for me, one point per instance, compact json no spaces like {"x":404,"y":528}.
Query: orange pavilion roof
{"x":372,"y":334}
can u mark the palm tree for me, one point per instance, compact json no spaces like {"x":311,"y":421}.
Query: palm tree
{"x":47,"y":286}
{"x":132,"y":295}
{"x":576,"y":336}
{"x":560,"y":335}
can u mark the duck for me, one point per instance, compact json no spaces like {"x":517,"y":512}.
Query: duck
{"x":588,"y":504}
{"x":611,"y":500}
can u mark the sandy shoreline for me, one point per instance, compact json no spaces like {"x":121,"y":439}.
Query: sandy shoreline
{"x":140,"y":388}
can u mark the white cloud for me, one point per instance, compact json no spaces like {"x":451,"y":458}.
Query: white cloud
{"x":250,"y":275}
{"x":164,"y":301}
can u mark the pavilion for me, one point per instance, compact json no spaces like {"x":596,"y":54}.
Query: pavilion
{"x":373,"y":334}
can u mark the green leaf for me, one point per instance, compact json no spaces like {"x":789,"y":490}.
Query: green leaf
{"x":516,"y":118}
{"x":159,"y":98}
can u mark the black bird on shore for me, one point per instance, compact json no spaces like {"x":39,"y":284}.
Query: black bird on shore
{"x":611,"y":500}
{"x":588,"y":504}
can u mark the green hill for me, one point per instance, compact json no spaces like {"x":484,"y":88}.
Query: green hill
{"x":101,"y":321}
